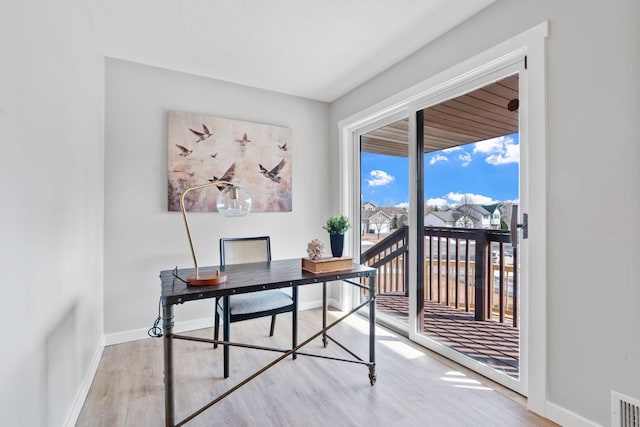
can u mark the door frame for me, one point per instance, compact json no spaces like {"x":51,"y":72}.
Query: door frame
{"x":529,"y":44}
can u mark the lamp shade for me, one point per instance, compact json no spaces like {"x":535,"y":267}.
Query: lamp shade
{"x":233,"y":202}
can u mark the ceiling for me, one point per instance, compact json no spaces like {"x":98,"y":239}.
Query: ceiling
{"x":476,"y":116}
{"x":314,"y":49}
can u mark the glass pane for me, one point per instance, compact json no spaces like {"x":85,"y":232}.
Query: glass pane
{"x":471,"y":162}
{"x":384,"y":216}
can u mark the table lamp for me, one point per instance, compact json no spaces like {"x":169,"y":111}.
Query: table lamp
{"x":233,"y":201}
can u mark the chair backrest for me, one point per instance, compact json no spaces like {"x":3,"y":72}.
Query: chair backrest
{"x":242,"y":250}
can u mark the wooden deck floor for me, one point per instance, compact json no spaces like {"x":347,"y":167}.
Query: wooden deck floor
{"x":488,"y":342}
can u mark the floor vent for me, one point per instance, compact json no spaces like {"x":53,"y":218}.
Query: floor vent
{"x":625,"y":411}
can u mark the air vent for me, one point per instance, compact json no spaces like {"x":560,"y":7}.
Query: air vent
{"x":625,"y":411}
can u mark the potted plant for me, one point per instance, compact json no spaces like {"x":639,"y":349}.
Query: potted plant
{"x":336,"y":226}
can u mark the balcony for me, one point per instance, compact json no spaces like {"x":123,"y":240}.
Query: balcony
{"x":469,"y":285}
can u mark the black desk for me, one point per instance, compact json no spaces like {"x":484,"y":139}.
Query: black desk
{"x":244,"y":278}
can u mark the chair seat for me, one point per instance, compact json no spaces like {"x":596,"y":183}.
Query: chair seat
{"x":258,"y":301}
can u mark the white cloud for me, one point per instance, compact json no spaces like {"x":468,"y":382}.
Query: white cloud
{"x":439,"y":202}
{"x":465,"y":158}
{"x":452,"y":149}
{"x":476,"y":199}
{"x":512,"y":155}
{"x":498,"y":151}
{"x":404,"y":205}
{"x":488,"y":146}
{"x":379,"y":178}
{"x":438,"y":158}
{"x":459,"y":198}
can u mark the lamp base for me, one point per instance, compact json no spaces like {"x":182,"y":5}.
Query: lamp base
{"x":207,"y":279}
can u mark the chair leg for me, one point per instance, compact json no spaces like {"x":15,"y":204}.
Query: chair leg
{"x":273,"y":325}
{"x":226,"y":334}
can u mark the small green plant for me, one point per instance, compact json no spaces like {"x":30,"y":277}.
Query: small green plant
{"x":338,"y":224}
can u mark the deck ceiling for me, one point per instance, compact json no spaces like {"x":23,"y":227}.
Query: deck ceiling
{"x":475,"y":116}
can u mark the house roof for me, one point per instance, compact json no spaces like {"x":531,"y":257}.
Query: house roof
{"x":449,"y":216}
{"x":388,"y":211}
{"x":479,"y":209}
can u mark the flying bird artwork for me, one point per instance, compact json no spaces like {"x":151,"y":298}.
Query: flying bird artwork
{"x":207,"y":149}
{"x":201,"y":135}
{"x":228,"y":176}
{"x":244,"y":140}
{"x":273,"y":174}
{"x":184,"y":151}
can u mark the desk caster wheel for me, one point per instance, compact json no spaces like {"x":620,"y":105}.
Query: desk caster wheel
{"x":372,"y":379}
{"x":372,"y":375}
{"x":325,"y":342}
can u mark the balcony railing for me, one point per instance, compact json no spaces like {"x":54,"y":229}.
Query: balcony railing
{"x":389,"y":256}
{"x":469,"y":269}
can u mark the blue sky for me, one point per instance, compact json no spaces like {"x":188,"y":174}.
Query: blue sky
{"x":486,"y":172}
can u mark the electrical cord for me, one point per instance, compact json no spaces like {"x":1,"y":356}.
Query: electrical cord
{"x":156,"y":331}
{"x":175,"y":275}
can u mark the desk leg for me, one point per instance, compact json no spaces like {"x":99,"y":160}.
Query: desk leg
{"x":324,"y":314}
{"x":167,"y":327}
{"x":294,"y":325}
{"x":226,"y":333}
{"x":372,"y":330}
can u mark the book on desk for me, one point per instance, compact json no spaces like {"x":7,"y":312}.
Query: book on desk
{"x":327,"y":265}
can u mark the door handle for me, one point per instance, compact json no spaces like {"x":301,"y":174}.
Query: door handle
{"x":514,"y":225}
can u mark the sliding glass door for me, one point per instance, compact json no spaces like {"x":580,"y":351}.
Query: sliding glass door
{"x":468,"y":283}
{"x":447,"y":178}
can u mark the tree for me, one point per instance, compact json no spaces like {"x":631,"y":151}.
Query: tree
{"x":465,"y":210}
{"x":378,"y":220}
{"x":395,"y":223}
{"x":428,"y":209}
{"x":505,"y":217}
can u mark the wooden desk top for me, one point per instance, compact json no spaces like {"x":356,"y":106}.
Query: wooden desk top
{"x":243,"y":278}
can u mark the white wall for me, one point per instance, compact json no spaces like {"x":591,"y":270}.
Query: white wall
{"x":593,"y":288}
{"x":142,"y":237}
{"x":51,"y":227}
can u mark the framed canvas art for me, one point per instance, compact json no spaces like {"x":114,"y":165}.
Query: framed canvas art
{"x":254,"y":156}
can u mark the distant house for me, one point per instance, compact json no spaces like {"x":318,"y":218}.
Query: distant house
{"x":378,"y":219}
{"x":369,"y":206}
{"x":447,"y":218}
{"x":467,"y":216}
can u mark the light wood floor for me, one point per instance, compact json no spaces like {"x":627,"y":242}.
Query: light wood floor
{"x":415,"y":387}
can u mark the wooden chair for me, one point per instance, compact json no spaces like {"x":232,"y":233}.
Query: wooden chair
{"x":255,"y":304}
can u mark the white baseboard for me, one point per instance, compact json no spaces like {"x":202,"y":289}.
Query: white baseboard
{"x":138,"y":334}
{"x":566,"y":418}
{"x":187,"y":325}
{"x":83,"y":391}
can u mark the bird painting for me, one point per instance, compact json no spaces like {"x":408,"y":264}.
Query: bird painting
{"x":244,"y":140}
{"x":202,"y":135}
{"x":184,"y":151}
{"x":228,"y":176}
{"x":273,"y":174}
{"x":204,"y":149}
